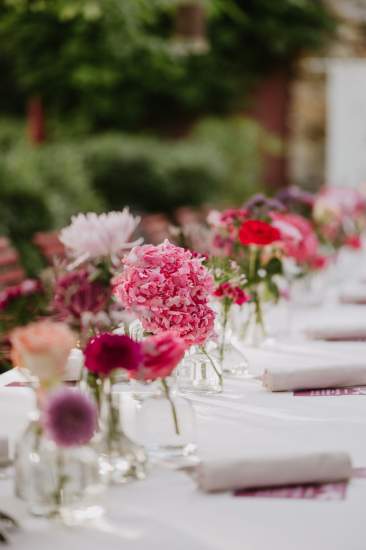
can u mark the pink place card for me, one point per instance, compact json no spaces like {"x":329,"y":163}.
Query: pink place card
{"x":316,"y":491}
{"x":18,"y":385}
{"x":331,"y":392}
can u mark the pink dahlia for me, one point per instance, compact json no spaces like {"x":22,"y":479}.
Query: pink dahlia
{"x":107,"y":352}
{"x":168,"y":288}
{"x":69,"y":417}
{"x":162,"y":353}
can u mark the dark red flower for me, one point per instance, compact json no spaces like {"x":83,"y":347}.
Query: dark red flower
{"x":234,"y":293}
{"x":108,"y":352}
{"x":258,"y":232}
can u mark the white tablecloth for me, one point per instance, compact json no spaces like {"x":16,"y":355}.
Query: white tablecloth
{"x":167,"y":512}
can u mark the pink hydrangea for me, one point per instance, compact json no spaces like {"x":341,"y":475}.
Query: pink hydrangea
{"x":168,"y":289}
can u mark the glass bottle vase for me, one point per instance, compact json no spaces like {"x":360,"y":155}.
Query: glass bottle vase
{"x":121,"y":459}
{"x":227,"y":351}
{"x":56,"y":481}
{"x":200,"y":372}
{"x":166,"y":426}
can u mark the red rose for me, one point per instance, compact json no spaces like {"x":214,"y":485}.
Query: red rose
{"x":258,"y":233}
{"x":107,"y":352}
{"x":162,"y":353}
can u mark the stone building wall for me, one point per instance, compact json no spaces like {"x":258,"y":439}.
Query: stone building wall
{"x":308,"y":109}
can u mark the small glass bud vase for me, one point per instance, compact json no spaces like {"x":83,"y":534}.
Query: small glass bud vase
{"x":121,"y":459}
{"x":57,"y":481}
{"x":227,"y":352}
{"x":166,"y":426}
{"x":253,"y":332}
{"x":200,"y":372}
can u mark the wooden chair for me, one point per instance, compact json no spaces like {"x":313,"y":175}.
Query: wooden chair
{"x":49,"y":245}
{"x":11,"y":272}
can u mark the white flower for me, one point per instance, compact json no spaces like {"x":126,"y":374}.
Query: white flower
{"x":95,"y":236}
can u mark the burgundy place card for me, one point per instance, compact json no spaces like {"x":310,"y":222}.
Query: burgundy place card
{"x":309,"y":491}
{"x":18,"y":385}
{"x":331,"y":392}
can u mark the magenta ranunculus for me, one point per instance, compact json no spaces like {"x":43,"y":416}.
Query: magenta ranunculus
{"x":108,"y":352}
{"x":162,"y":353}
{"x":69,"y":417}
{"x":168,"y":289}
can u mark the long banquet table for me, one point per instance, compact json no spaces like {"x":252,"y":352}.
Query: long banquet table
{"x":167,"y":512}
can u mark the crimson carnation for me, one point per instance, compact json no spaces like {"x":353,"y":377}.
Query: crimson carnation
{"x":258,"y":233}
{"x":108,"y":352}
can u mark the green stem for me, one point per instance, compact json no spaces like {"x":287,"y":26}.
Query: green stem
{"x":259,"y":313}
{"x":219,"y":375}
{"x":174,"y":411}
{"x":224,"y":326}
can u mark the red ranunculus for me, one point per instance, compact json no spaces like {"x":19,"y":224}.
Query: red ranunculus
{"x":108,"y":352}
{"x":162,"y":353}
{"x":258,"y":232}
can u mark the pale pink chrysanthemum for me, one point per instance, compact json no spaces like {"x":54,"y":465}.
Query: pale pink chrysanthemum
{"x":91,"y":236}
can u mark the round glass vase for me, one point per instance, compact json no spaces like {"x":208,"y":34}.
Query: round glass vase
{"x":166,"y":426}
{"x":231,"y":359}
{"x":57,"y":481}
{"x":200,"y":372}
{"x":121,"y":459}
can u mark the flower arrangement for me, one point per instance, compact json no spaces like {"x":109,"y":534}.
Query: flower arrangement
{"x":82,"y":294}
{"x":154,"y":358}
{"x":167,"y":288}
{"x":340,"y":217}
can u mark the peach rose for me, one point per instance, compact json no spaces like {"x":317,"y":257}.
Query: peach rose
{"x":43,"y":349}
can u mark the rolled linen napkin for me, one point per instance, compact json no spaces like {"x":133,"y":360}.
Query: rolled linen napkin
{"x":289,"y":378}
{"x":274,"y":471}
{"x":353,"y":296}
{"x":337,"y":333}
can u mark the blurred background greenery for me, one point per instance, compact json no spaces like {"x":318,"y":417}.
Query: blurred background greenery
{"x":107,"y":103}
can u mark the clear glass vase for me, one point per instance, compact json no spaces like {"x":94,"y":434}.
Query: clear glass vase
{"x":121,"y":459}
{"x":57,"y":481}
{"x":253,"y":331}
{"x":227,"y":351}
{"x":200,"y":372}
{"x":166,"y":426}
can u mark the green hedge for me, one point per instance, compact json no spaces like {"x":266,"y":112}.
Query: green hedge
{"x":41,"y":187}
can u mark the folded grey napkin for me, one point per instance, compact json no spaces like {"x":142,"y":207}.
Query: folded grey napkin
{"x":289,"y":378}
{"x":273,"y":471}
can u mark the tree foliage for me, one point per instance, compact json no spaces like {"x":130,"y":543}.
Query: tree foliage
{"x":109,"y":62}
